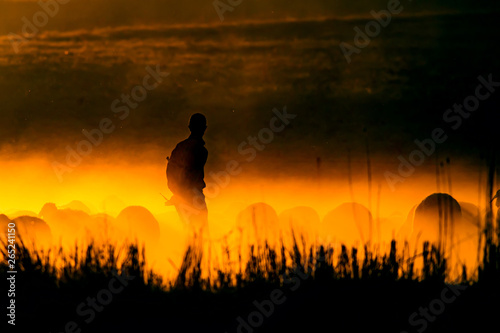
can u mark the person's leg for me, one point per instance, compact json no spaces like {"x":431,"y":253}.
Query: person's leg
{"x":198,"y":217}
{"x":193,"y":217}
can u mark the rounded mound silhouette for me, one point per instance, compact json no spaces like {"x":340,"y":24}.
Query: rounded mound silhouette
{"x":77,"y":205}
{"x":437,"y":215}
{"x":440,"y":219}
{"x":259,"y":222}
{"x":138,"y":222}
{"x":31,"y":229}
{"x":349,"y":223}
{"x":302,"y":220}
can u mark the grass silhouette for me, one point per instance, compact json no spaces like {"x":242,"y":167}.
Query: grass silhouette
{"x":335,"y":288}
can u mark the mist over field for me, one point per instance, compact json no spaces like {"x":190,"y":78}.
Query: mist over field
{"x":266,"y":57}
{"x":352,"y":165}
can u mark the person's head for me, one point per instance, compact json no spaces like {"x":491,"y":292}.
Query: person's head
{"x":198,"y":124}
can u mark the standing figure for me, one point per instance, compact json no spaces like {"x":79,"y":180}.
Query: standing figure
{"x":185,"y":174}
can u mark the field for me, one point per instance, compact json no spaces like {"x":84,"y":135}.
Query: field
{"x":293,"y":290}
{"x":353,"y":121}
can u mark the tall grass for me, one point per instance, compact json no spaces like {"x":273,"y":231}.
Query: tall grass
{"x":210,"y":301}
{"x":265,"y":264}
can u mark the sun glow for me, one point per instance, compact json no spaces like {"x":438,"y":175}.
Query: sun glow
{"x":250,"y":207}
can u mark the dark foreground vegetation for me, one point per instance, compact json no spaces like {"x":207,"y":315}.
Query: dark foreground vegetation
{"x":283,"y":290}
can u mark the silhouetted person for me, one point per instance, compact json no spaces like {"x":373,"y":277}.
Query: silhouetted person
{"x":185,"y":173}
